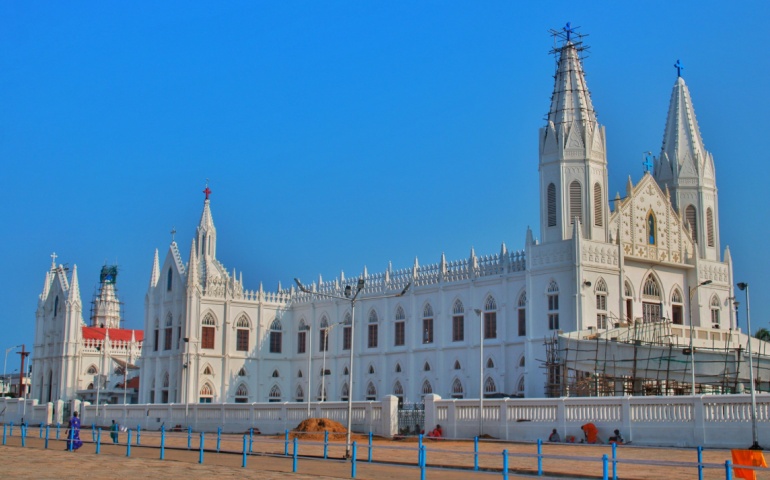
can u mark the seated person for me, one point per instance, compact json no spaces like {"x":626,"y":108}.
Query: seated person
{"x":617,"y":438}
{"x":436,"y":432}
{"x":554,"y":437}
{"x":591,"y":433}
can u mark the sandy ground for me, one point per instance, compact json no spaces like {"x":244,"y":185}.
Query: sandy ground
{"x":391,"y":459}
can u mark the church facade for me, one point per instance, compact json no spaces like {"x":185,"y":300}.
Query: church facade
{"x":464,"y":327}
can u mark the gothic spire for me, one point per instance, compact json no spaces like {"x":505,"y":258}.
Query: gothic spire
{"x":74,"y":291}
{"x":571,"y":99}
{"x":155,"y":275}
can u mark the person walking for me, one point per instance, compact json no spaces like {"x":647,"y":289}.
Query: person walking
{"x":73,"y":433}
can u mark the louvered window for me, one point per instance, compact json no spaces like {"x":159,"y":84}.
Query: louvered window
{"x":575,"y":202}
{"x":551,"y":205}
{"x":598,"y":210}
{"x":692,"y":222}
{"x":710,"y":227}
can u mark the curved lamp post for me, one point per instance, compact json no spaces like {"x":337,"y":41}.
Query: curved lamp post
{"x":692,"y":347}
{"x":754,"y":435}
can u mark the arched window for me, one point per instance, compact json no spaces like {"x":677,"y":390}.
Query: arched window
{"x":346,"y":332}
{"x":299,"y":373}
{"x":169,"y":279}
{"x":457,"y":389}
{"x":489,"y":386}
{"x":677,"y":309}
{"x":651,"y":300}
{"x":523,"y":361}
{"x":276,"y":374}
{"x":691,"y":220}
{"x":601,"y":304}
{"x":321,"y":395}
{"x":302,"y":336}
{"x":710,"y":227}
{"x":426,"y":367}
{"x":551,"y":205}
{"x":92,"y":370}
{"x":168,"y":333}
{"x":372,"y":336}
{"x":299,"y":394}
{"x":206,"y":393}
{"x":522,"y":314}
{"x":242,"y":372}
{"x":371,"y":369}
{"x":490,"y":363}
{"x":345,"y":392}
{"x":553,"y":306}
{"x":490,"y":318}
{"x":399,"y":337}
{"x":427,"y":324}
{"x":575,"y":202}
{"x":715,"y":308}
{"x":458,"y":321}
{"x":242,"y":394}
{"x":242,"y":334}
{"x":651,"y":233}
{"x":55,"y":306}
{"x":628,"y":294}
{"x":520,"y":386}
{"x":398,"y":390}
{"x":457,"y":365}
{"x":427,"y":388}
{"x":371,"y":392}
{"x":598,"y":205}
{"x":276,"y":336}
{"x":323,"y":335}
{"x":207,"y":370}
{"x":398,"y":368}
{"x":208,"y":329}
{"x":91,"y":387}
{"x":275,"y":394}
{"x":345,"y":371}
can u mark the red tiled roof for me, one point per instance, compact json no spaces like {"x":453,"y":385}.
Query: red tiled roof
{"x":121,"y":334}
{"x":131,"y":383}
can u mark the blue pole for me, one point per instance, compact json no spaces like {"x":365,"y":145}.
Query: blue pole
{"x":200,"y":455}
{"x":614,"y":461}
{"x":370,"y":447}
{"x":243,"y":462}
{"x":326,"y":444}
{"x":476,"y":453}
{"x":728,"y":470}
{"x":4,"y":433}
{"x":286,"y":443}
{"x":128,"y":444}
{"x":505,"y":464}
{"x":419,"y":450}
{"x":98,"y":441}
{"x":189,"y":437}
{"x":605,"y":467}
{"x":353,"y":462}
{"x":41,"y":429}
{"x":219,"y":438}
{"x":700,"y":463}
{"x":423,"y":462}
{"x":162,"y":441}
{"x":251,"y":440}
{"x":138,"y":434}
{"x":93,"y":432}
{"x":294,"y":457}
{"x":58,"y":427}
{"x":70,"y":435}
{"x":539,"y":458}
{"x":23,"y":436}
{"x":46,"y":436}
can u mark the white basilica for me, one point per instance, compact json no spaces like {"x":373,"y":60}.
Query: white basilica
{"x":599,"y":263}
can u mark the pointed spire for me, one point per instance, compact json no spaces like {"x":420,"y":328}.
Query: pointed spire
{"x":74,"y":293}
{"x":571,"y":100}
{"x":192,"y":266}
{"x":682,"y":142}
{"x":529,"y":240}
{"x":155,"y":275}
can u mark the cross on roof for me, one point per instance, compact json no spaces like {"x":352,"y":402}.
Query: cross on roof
{"x":173,"y":232}
{"x":679,"y":67}
{"x":647,"y":161}
{"x":568,"y":30}
{"x":207,"y":191}
{"x":53,"y":260}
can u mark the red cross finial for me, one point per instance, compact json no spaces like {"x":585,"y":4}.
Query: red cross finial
{"x":207,"y":191}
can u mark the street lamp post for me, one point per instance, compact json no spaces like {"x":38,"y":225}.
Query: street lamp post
{"x":187,"y":376}
{"x":309,"y":366}
{"x":5,"y":364}
{"x":351,"y":297}
{"x":754,"y":434}
{"x":481,"y":369}
{"x":692,"y":347}
{"x":100,"y":348}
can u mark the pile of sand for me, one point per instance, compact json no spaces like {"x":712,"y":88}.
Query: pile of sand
{"x":314,"y":428}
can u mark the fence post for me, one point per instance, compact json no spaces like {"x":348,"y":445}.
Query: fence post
{"x":219,"y":438}
{"x":370,"y":447}
{"x":70,"y":435}
{"x":614,"y":461}
{"x":353,"y":462}
{"x":138,"y":434}
{"x":189,"y":437}
{"x":93,"y":432}
{"x":243,"y":462}
{"x":286,"y":443}
{"x":128,"y":444}
{"x":326,"y":444}
{"x":605,"y":467}
{"x":423,"y":462}
{"x":476,"y":453}
{"x":46,"y":436}
{"x":4,"y":433}
{"x":200,"y":454}
{"x":162,"y":441}
{"x":419,"y":450}
{"x":539,"y":458}
{"x":23,"y":436}
{"x":729,"y":470}
{"x":700,"y":463}
{"x":294,"y":457}
{"x":251,"y":440}
{"x":58,"y":427}
{"x":505,"y":464}
{"x":41,"y":429}
{"x":98,"y":441}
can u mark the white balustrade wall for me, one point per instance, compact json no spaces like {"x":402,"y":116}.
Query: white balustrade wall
{"x":686,"y":421}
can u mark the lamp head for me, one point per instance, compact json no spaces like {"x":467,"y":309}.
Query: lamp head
{"x":406,"y":288}
{"x":361,"y":283}
{"x":348,"y":291}
{"x":743,"y":285}
{"x":707,"y":282}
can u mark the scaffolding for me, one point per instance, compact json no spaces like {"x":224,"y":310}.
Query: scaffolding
{"x":653,"y":358}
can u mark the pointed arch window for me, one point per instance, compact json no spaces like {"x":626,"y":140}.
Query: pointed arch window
{"x":164,"y":392}
{"x":601,"y":304}
{"x":399,"y":337}
{"x":427,"y":388}
{"x":523,"y":361}
{"x":345,"y":392}
{"x":598,"y":205}
{"x":427,"y":324}
{"x":551,"y":205}
{"x":677,"y":309}
{"x":92,"y":370}
{"x":457,"y":389}
{"x":458,"y":321}
{"x":302,"y":336}
{"x":299,"y":394}
{"x":346,"y":332}
{"x":553,"y":306}
{"x":490,"y":318}
{"x":426,"y":367}
{"x":208,"y":330}
{"x":242,"y":394}
{"x":321,"y":393}
{"x":276,"y":374}
{"x":206,"y":394}
{"x":651,"y":232}
{"x":398,"y":390}
{"x":242,"y":327}
{"x":651,"y":300}
{"x":575,"y":202}
{"x":207,"y":370}
{"x":55,"y":306}
{"x":371,"y":392}
{"x":489,"y":387}
{"x":169,"y":280}
{"x":275,"y":394}
{"x":709,"y":227}
{"x":276,"y":337}
{"x":371,"y":369}
{"x":323,"y":335}
{"x":299,"y":373}
{"x":372,"y":333}
{"x":628,"y":293}
{"x":522,"y":314}
{"x":520,"y":386}
{"x":457,"y":365}
{"x":490,"y":363}
{"x":691,"y":219}
{"x":398,"y":368}
{"x":168,"y":334}
{"x":242,"y":372}
{"x":715,"y":309}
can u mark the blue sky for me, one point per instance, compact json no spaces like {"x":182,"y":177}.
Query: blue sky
{"x":340,"y":134}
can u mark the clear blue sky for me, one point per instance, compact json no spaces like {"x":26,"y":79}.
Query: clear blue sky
{"x":340,"y":134}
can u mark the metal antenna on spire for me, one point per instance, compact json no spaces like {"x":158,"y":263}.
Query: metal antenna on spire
{"x":568,"y":35}
{"x":679,"y":67}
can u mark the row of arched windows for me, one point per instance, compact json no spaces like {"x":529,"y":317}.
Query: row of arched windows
{"x":575,"y":206}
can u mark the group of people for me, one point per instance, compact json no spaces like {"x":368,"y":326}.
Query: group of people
{"x":590,"y":434}
{"x":73,"y":433}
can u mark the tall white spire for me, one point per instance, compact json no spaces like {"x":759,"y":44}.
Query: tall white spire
{"x":570,"y":100}
{"x":155,"y":275}
{"x":206,"y":232}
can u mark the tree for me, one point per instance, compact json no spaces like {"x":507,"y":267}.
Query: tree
{"x":763,"y":334}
